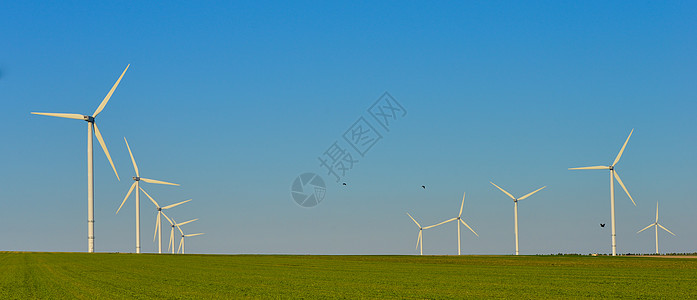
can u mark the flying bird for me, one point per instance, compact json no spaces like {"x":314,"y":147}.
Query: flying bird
{"x":344,"y":183}
{"x":423,"y":186}
{"x":602,"y":224}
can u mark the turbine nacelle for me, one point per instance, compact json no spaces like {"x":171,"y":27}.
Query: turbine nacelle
{"x":89,"y":119}
{"x":136,"y":178}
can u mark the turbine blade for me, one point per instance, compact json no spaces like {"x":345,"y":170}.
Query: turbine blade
{"x":463,"y":222}
{"x":171,"y":240}
{"x":617,"y":176}
{"x":656,"y":211}
{"x":173,"y":205}
{"x":418,"y":239}
{"x":647,"y":227}
{"x":156,"y":181}
{"x":157,"y":226}
{"x":412,"y":218}
{"x":184,"y":223}
{"x":61,"y":115}
{"x":441,"y":223}
{"x":617,"y":159}
{"x":106,"y":151}
{"x":127,"y":194}
{"x":180,"y":229}
{"x":151,"y":199}
{"x":135,"y":167}
{"x":666,"y":229}
{"x":106,"y":99}
{"x":193,"y":234}
{"x":528,"y":195}
{"x":504,"y":191}
{"x":591,"y":168}
{"x":168,"y":219}
{"x":461,"y":205}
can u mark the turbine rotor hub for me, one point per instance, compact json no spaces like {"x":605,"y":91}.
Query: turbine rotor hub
{"x":89,"y":119}
{"x":612,"y":167}
{"x":135,"y":178}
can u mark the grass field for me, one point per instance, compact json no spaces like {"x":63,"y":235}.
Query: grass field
{"x":107,"y":276}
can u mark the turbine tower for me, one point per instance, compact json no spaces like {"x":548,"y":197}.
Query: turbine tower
{"x":92,"y":127}
{"x":136,"y":185}
{"x":457,"y":220}
{"x":515,"y":214}
{"x":419,"y":240}
{"x":613,"y":176}
{"x":158,"y":222}
{"x":656,"y":225}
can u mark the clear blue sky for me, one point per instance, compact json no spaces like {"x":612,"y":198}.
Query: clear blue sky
{"x":234,"y":100}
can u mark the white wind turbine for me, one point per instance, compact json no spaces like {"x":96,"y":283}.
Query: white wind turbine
{"x":515,"y":218}
{"x":457,"y":220}
{"x":656,"y":225}
{"x":174,"y":224}
{"x":91,"y":126}
{"x":136,"y":185}
{"x":613,"y":175}
{"x":158,"y":222}
{"x":419,"y":240}
{"x":181,"y":242}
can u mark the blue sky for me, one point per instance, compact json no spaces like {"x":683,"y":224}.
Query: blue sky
{"x":234,"y":100}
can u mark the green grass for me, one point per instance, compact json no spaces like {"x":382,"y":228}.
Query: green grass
{"x":128,"y":276}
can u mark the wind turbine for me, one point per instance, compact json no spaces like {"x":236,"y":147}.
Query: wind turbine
{"x":174,"y":224}
{"x":656,"y":225}
{"x":613,"y":175}
{"x":158,"y":222}
{"x":457,"y":220}
{"x":136,"y":185}
{"x":181,"y":242}
{"x":91,"y":126}
{"x":419,"y":240}
{"x":515,"y":218}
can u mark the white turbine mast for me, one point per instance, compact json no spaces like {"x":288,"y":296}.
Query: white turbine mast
{"x":91,"y":127}
{"x":158,"y":221}
{"x":136,"y":184}
{"x":457,"y":220}
{"x":655,"y":224}
{"x":613,"y":176}
{"x":515,"y":210}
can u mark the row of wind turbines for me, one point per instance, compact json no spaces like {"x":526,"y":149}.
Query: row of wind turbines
{"x":92,"y":127}
{"x":613,"y":175}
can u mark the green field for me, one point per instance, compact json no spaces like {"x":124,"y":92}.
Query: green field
{"x":107,"y":276}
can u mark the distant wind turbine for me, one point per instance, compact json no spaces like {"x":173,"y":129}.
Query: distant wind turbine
{"x":181,"y":242}
{"x":136,"y":185}
{"x":173,"y":224}
{"x":656,"y":225}
{"x":419,"y":240}
{"x":91,"y":126}
{"x":613,"y":175}
{"x":515,"y":218}
{"x":158,"y":222}
{"x":457,"y":220}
